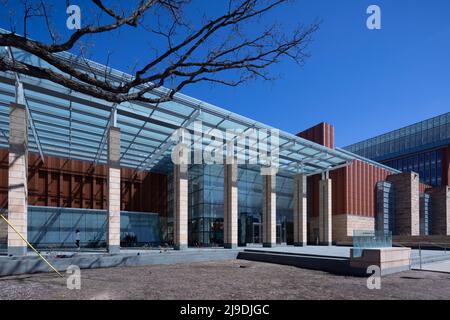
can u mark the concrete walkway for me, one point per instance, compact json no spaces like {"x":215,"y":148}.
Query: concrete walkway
{"x":442,"y":266}
{"x":135,"y":257}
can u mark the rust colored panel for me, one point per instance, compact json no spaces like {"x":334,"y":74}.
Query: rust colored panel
{"x":364,"y":199}
{"x":66,"y":196}
{"x":363,"y":188}
{"x":125,"y":195}
{"x":369,"y":188}
{"x":53,"y":189}
{"x":355,"y":188}
{"x":358,"y":187}
{"x":322,"y":133}
{"x":334,"y":192}
{"x":87,"y":192}
{"x":373,"y":191}
{"x":345,"y":190}
{"x":349,"y":188}
{"x":136,"y":196}
{"x":77,"y":184}
{"x":98,"y":193}
{"x":446,"y":166}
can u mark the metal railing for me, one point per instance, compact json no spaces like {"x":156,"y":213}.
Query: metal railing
{"x":420,"y":246}
{"x":436,"y":245}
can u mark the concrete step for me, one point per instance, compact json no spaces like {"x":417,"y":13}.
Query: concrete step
{"x":336,"y":265}
{"x":33,"y":264}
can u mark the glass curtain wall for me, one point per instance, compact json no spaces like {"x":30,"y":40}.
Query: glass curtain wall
{"x":428,"y":132}
{"x":205,"y":212}
{"x":285,"y":217}
{"x":427,"y":164}
{"x":250,"y":199}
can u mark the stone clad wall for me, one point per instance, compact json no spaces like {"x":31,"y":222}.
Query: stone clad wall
{"x":406,"y":219}
{"x":440,"y":210}
{"x":17,"y":179}
{"x":325,"y":212}
{"x":345,"y":224}
{"x":300,"y":214}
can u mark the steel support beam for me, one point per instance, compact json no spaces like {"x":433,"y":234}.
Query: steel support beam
{"x":21,"y":99}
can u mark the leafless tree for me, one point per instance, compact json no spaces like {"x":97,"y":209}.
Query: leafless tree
{"x":225,"y":48}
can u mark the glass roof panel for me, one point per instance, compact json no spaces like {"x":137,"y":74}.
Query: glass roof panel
{"x":73,"y":125}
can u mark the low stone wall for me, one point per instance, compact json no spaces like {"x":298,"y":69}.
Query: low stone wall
{"x":33,"y":264}
{"x":390,"y":260}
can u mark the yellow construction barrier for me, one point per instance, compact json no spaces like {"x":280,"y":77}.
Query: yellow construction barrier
{"x":29,"y":244}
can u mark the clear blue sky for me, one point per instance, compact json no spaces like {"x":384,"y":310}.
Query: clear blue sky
{"x":363,"y":82}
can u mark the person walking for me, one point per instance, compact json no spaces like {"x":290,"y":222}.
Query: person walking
{"x":77,"y":239}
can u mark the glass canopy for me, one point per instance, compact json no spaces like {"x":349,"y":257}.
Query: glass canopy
{"x":68,"y":124}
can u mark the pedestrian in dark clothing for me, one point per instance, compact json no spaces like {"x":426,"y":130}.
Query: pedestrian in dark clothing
{"x":77,"y":239}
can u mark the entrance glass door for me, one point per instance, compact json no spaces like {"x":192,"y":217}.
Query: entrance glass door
{"x":279,"y":234}
{"x":257,"y":232}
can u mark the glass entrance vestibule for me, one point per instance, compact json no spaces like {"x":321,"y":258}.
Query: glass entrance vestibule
{"x":206,"y":206}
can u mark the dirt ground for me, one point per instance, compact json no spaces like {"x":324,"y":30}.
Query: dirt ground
{"x":234,"y":279}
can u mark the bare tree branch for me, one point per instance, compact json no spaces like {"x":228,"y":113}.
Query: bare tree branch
{"x":216,"y":50}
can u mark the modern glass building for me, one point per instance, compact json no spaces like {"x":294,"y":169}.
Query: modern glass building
{"x":206,"y":206}
{"x":69,"y":162}
{"x":70,"y":181}
{"x":422,"y":148}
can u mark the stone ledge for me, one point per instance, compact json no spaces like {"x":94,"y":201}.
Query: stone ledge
{"x":390,"y":260}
